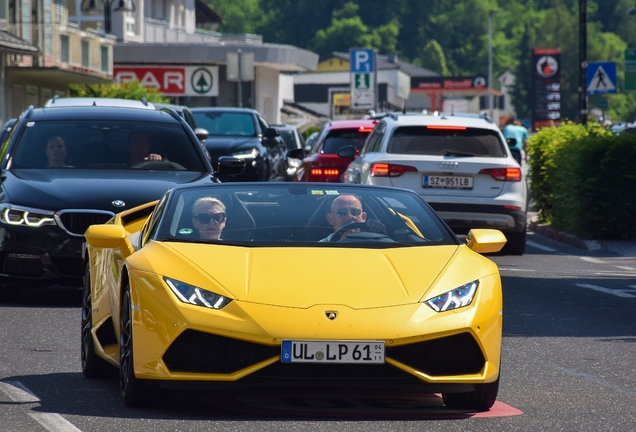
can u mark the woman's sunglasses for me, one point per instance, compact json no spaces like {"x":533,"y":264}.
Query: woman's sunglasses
{"x":205,"y":218}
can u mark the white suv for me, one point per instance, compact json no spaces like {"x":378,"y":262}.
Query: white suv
{"x":459,"y":164}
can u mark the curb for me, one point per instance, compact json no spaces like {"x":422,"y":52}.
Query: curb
{"x":562,"y":237}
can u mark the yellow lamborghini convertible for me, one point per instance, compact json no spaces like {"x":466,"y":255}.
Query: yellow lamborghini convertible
{"x":240,"y":285}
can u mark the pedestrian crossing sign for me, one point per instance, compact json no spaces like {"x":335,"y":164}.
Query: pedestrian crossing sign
{"x":601,"y":78}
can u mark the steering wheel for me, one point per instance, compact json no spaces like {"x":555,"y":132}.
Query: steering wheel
{"x":353,"y":225}
{"x":158,"y":165}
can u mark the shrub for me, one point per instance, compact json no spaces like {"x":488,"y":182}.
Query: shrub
{"x":127,"y":90}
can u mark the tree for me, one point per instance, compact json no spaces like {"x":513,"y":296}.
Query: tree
{"x":432,"y":57}
{"x":128,"y":90}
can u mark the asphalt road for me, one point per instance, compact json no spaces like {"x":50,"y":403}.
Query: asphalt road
{"x":569,"y":349}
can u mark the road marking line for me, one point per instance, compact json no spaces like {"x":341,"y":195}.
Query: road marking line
{"x":18,"y":392}
{"x":593,"y":260}
{"x":618,"y":293}
{"x":54,"y":422}
{"x":539,"y":246}
{"x":626,"y":268}
{"x":516,"y":269}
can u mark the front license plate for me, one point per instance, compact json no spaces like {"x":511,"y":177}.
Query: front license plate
{"x":313,"y":351}
{"x":447,"y":182}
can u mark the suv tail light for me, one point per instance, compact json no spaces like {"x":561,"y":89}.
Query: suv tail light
{"x":389,"y":170}
{"x":503,"y":174}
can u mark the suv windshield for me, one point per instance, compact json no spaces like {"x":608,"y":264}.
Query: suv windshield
{"x":105,"y":144}
{"x":446,"y":141}
{"x":226,"y":123}
{"x":340,"y":138}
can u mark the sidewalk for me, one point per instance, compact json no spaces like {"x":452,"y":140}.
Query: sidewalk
{"x":622,"y":247}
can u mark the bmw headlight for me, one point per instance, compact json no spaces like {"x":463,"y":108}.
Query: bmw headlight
{"x":454,"y":299}
{"x":24,"y":216}
{"x":196,"y":296}
{"x":246,"y":154}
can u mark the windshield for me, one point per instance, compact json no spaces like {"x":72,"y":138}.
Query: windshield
{"x":420,"y":140}
{"x":302,"y":215}
{"x":106,"y":144}
{"x":226,"y":123}
{"x":290,"y":139}
{"x":340,"y":138}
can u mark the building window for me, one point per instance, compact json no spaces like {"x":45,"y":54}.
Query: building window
{"x":3,"y":9}
{"x":105,"y":59}
{"x":64,"y":42}
{"x":59,"y":11}
{"x":131,"y":24}
{"x":86,"y":55}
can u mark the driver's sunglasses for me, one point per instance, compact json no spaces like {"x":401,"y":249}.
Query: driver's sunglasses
{"x":205,"y":218}
{"x":343,"y":212}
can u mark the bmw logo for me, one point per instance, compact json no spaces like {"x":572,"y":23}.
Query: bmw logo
{"x":118,"y":203}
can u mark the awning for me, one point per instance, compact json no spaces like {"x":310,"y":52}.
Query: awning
{"x":14,"y":45}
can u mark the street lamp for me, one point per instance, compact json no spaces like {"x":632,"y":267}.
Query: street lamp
{"x":491,"y":12}
{"x":106,"y":6}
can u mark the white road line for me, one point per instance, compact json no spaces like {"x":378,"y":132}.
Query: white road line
{"x":617,"y":293}
{"x":609,"y":273}
{"x":18,"y":392}
{"x":516,"y":269}
{"x":626,"y":268}
{"x":54,"y":422}
{"x":539,"y":246}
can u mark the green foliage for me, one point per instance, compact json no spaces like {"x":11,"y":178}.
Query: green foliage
{"x":128,"y":90}
{"x":432,"y":57}
{"x":582,"y":180}
{"x":310,"y":130}
{"x":239,"y":16}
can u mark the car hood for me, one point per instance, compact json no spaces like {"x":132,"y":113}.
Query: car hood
{"x":227,"y":145}
{"x":305,"y":277}
{"x":91,"y":189}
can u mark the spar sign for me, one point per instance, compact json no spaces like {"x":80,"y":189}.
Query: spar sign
{"x":173,"y":80}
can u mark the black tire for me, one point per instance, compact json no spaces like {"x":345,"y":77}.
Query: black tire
{"x":134,"y":392}
{"x":516,"y":244}
{"x":482,"y":398}
{"x":93,"y":366}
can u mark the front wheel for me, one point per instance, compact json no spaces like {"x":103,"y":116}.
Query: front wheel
{"x":93,"y":366}
{"x":482,"y":398}
{"x":134,"y":392}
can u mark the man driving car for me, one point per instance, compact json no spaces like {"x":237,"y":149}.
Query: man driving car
{"x":347,"y":209}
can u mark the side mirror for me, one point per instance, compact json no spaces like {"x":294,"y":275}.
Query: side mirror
{"x":348,"y":152}
{"x":229,"y":165}
{"x":511,"y":142}
{"x":111,"y":236}
{"x":202,"y":134}
{"x":296,"y":153}
{"x":485,"y":240}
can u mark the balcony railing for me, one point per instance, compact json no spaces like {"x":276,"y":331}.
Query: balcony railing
{"x":157,"y":31}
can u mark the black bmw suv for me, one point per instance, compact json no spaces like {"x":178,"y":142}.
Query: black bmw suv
{"x":72,"y":164}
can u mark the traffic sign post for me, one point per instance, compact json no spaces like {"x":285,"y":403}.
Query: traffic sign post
{"x":630,"y":69}
{"x":601,"y":78}
{"x":363,"y":78}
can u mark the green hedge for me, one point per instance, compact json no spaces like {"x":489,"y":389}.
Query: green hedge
{"x":583,"y":180}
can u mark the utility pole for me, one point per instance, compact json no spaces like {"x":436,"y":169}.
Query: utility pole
{"x":583,"y":61}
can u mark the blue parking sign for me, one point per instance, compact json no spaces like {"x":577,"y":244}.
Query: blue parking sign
{"x":361,"y":60}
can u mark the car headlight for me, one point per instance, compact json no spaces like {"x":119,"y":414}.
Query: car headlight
{"x":23,"y":216}
{"x":454,"y":299}
{"x":196,"y":296}
{"x":246,"y":154}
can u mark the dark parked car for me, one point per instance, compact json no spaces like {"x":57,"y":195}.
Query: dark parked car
{"x":293,"y":140}
{"x":67,"y":167}
{"x":244,"y":134}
